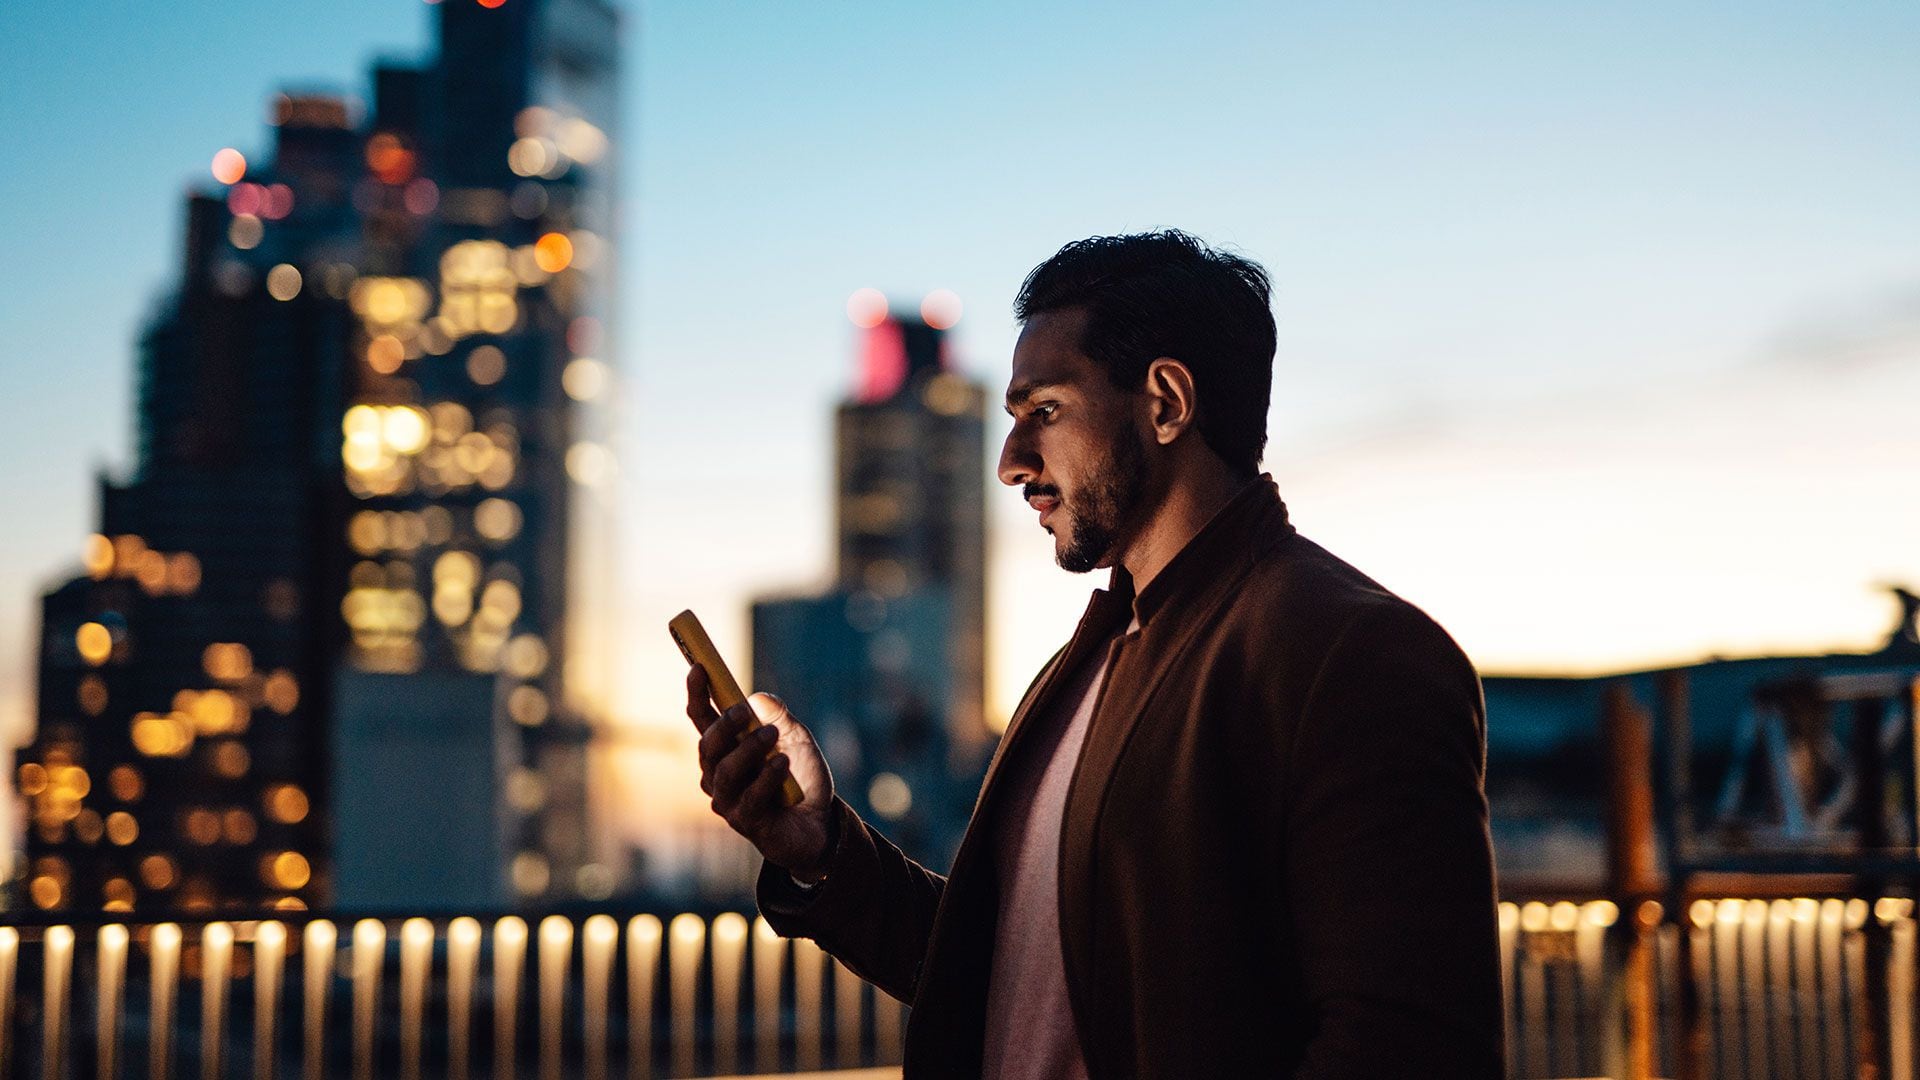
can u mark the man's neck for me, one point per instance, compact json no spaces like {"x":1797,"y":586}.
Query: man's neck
{"x":1191,"y":501}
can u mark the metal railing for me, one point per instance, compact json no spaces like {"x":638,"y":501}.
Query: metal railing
{"x":1778,"y":989}
{"x":417,"y":997}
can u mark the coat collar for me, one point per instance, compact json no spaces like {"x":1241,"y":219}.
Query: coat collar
{"x":1255,"y":509}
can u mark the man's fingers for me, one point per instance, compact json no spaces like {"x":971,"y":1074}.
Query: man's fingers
{"x":721,"y":735}
{"x":766,"y":796}
{"x":699,"y":704}
{"x":740,"y":767}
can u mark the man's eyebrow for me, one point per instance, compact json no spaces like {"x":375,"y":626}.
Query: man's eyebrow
{"x":1020,"y":394}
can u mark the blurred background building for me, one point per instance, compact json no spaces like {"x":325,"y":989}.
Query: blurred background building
{"x":887,"y":666}
{"x":1769,"y":766}
{"x":333,"y":644}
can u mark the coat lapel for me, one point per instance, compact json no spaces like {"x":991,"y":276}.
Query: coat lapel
{"x":1175,"y":605}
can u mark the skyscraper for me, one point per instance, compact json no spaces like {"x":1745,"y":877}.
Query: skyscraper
{"x":328,"y":648}
{"x":887,"y":667}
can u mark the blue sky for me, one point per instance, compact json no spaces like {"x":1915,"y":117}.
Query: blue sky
{"x":1582,"y":289}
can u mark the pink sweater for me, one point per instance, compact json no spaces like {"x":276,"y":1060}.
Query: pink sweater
{"x":1030,"y":1033}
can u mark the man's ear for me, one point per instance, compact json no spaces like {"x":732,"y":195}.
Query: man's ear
{"x":1172,"y":405}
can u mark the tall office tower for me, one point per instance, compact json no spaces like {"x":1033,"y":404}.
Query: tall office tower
{"x":888,"y":665}
{"x":332,"y":646}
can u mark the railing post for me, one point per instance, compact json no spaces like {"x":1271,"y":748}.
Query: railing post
{"x":112,"y":961}
{"x":1632,"y":871}
{"x":269,"y":956}
{"x":1690,"y":1049}
{"x":644,"y":934}
{"x":162,"y":976}
{"x":1870,"y":819}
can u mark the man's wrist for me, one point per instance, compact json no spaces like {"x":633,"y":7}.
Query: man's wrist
{"x":809,"y":877}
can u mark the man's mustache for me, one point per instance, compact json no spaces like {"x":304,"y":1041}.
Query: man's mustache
{"x":1030,"y":492}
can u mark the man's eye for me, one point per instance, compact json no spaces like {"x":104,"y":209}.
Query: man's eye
{"x":1045,"y":412}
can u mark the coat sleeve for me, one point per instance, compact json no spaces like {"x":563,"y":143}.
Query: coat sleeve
{"x":1388,"y":860}
{"x":873,"y":913}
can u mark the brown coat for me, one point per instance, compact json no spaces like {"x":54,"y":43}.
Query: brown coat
{"x":1275,"y":860}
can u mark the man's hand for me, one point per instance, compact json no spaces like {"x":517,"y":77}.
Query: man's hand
{"x":745,"y":776}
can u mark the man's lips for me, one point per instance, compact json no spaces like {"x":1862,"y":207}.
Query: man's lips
{"x":1046,"y":504}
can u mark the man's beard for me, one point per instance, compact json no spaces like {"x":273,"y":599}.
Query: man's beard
{"x":1096,"y":516}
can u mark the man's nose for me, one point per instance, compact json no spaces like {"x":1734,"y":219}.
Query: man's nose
{"x":1018,"y":463}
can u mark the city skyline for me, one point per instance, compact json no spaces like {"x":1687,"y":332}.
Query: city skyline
{"x":351,"y":551}
{"x":1568,"y":376}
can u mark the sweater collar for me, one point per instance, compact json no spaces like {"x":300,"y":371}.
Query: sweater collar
{"x":1254,"y":512}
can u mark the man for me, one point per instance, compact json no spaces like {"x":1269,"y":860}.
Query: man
{"x":1237,"y":826}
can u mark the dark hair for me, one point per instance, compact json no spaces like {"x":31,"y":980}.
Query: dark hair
{"x":1155,"y":294}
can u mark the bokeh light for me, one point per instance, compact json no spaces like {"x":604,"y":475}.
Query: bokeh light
{"x":283,"y":282}
{"x":941,"y":308}
{"x":867,"y":307}
{"x":229,"y":166}
{"x":553,"y":252}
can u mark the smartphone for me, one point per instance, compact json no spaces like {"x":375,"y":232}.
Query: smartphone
{"x":698,"y":648}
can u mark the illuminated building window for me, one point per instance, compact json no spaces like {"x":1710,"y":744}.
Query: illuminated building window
{"x":526,"y":261}
{"x":91,"y":695}
{"x":87,"y":827}
{"x":183,"y":573}
{"x":437,"y":524}
{"x":213,"y":712}
{"x":227,"y":661}
{"x":126,"y":783}
{"x":500,"y":603}
{"x":527,"y":705}
{"x":584,"y":378}
{"x":497,"y":520}
{"x":385,"y":354}
{"x":246,"y":231}
{"x":239,"y":827}
{"x":553,"y":252}
{"x":526,"y":657}
{"x":151,"y":572}
{"x":118,"y":890}
{"x":33,"y":779}
{"x":158,"y":871}
{"x":486,"y":365}
{"x":99,"y":557}
{"x":122,"y":829}
{"x":530,"y":873}
{"x":532,"y":156}
{"x":589,"y":464}
{"x":580,"y":140}
{"x":477,"y":290}
{"x":95,"y":643}
{"x":285,"y":803}
{"x":379,"y":446}
{"x":367,"y":532}
{"x":526,"y":792}
{"x":281,"y":692}
{"x":389,"y":159}
{"x":286,"y":870}
{"x":127,"y":550}
{"x":155,"y":735}
{"x":231,"y":760}
{"x":949,"y":395}
{"x":283,"y":282}
{"x":201,"y":826}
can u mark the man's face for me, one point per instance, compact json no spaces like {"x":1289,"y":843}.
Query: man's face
{"x":1075,"y":448}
